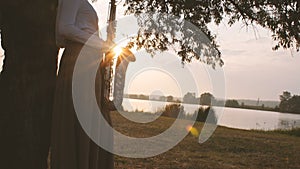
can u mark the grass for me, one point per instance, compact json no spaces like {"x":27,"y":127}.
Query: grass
{"x":227,"y":148}
{"x":293,"y":132}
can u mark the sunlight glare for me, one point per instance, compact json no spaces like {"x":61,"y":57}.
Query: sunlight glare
{"x":118,"y":50}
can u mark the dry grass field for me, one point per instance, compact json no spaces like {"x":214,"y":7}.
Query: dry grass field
{"x":227,"y":148}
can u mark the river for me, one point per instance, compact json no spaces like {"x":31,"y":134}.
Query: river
{"x":228,"y":117}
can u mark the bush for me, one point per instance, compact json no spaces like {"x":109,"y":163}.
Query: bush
{"x":232,"y":103}
{"x":172,"y":110}
{"x":204,"y":113}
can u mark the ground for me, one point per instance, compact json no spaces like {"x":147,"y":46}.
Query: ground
{"x":227,"y":148}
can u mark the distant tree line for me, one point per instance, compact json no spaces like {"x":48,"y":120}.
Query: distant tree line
{"x":205,"y":99}
{"x":137,"y":96}
{"x":232,"y":103}
{"x":288,"y":103}
{"x":154,"y":98}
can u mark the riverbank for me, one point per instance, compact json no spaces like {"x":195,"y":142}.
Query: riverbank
{"x":249,"y":107}
{"x":227,"y":148}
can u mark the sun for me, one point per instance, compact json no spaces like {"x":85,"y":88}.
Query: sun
{"x":117,"y":50}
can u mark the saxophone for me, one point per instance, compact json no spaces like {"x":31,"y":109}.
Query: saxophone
{"x":114,"y":67}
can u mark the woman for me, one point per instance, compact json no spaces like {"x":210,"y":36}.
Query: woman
{"x":71,"y":148}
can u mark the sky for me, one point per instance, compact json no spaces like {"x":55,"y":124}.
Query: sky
{"x":252,"y":69}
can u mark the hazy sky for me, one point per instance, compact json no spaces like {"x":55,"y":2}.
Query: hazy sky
{"x":252,"y":70}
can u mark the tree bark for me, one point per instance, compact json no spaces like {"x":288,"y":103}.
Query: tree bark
{"x":27,"y":82}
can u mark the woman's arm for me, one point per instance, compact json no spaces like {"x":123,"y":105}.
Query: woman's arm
{"x":67,"y":12}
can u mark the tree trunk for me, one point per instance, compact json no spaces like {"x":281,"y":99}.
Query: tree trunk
{"x":27,"y":82}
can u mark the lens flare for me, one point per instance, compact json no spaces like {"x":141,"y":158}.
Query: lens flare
{"x":192,"y":130}
{"x":117,"y":50}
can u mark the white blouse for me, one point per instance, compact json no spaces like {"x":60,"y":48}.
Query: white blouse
{"x":77,"y":21}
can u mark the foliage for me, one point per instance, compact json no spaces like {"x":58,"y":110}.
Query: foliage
{"x":232,"y":103}
{"x":170,"y":98}
{"x":204,"y":113}
{"x":190,"y":98}
{"x":288,"y":103}
{"x":281,"y":17}
{"x":206,"y":99}
{"x":135,"y":96}
{"x":285,"y":96}
{"x":201,"y":115}
{"x":173,"y":110}
{"x":159,"y":32}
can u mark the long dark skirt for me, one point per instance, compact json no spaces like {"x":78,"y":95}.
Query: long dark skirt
{"x":71,"y":147}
